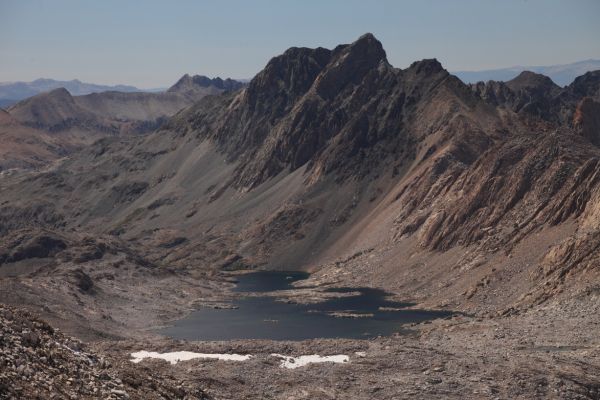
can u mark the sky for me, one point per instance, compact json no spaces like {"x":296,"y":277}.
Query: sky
{"x":152,"y":43}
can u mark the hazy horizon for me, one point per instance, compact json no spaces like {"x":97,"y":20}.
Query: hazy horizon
{"x":152,"y":45}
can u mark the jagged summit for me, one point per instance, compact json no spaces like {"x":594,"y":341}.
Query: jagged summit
{"x":188,"y":82}
{"x":587,"y":84}
{"x":349,"y":64}
{"x":326,"y":109}
{"x":538,"y":96}
{"x":427,"y":66}
{"x":586,"y":120}
{"x":367,"y":37}
{"x":285,"y":77}
{"x":368,"y":48}
{"x":292,"y":73}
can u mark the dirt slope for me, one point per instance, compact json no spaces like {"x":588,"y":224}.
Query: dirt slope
{"x":25,"y":147}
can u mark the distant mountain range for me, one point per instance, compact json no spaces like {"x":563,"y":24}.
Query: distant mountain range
{"x":12,"y":92}
{"x":560,"y":74}
{"x":111,"y":111}
{"x":54,"y":123}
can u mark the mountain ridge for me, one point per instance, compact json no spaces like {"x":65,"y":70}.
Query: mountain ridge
{"x":95,"y":115}
{"x":13,"y":92}
{"x":563,"y":74}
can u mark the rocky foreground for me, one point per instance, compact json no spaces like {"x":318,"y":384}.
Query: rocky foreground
{"x":534,"y":355}
{"x":39,"y":362}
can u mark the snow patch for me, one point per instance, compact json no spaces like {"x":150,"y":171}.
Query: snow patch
{"x":176,"y":356}
{"x":286,"y":361}
{"x":300,"y":361}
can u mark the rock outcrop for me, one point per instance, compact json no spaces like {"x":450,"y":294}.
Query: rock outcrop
{"x":586,"y":120}
{"x":39,"y":362}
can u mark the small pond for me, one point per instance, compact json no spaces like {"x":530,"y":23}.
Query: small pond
{"x":264,"y":317}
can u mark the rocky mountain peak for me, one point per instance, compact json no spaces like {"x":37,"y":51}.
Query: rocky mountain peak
{"x":367,"y":49}
{"x":292,"y":73}
{"x":428,"y":66}
{"x":190,"y":83}
{"x":349,"y":64}
{"x":531,"y":80}
{"x":56,"y":96}
{"x":586,"y":85}
{"x":59,"y":93}
{"x":286,"y":77}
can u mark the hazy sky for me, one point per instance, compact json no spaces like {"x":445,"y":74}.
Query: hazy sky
{"x":153,"y":43}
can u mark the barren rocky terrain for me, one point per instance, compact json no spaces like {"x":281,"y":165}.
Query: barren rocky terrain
{"x":482,"y":199}
{"x":45,"y":127}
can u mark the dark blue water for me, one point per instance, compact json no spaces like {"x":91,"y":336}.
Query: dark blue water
{"x":266,"y":318}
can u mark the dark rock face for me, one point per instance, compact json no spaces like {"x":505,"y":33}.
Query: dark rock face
{"x":83,"y":281}
{"x":285,"y":79}
{"x":235,"y":262}
{"x":351,"y":64}
{"x":536,"y":95}
{"x":42,"y":213}
{"x":587,"y":85}
{"x":587,"y":120}
{"x":174,"y":242}
{"x":334,"y":111}
{"x":41,"y":246}
{"x":128,"y":191}
{"x":529,"y":93}
{"x":91,"y":251}
{"x":511,"y":162}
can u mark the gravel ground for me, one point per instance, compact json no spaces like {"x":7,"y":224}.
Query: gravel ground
{"x":531,"y":355}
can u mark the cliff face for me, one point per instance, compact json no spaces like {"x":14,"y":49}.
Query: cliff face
{"x":197,"y":86}
{"x":586,"y":120}
{"x":344,"y":112}
{"x":535,"y":95}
